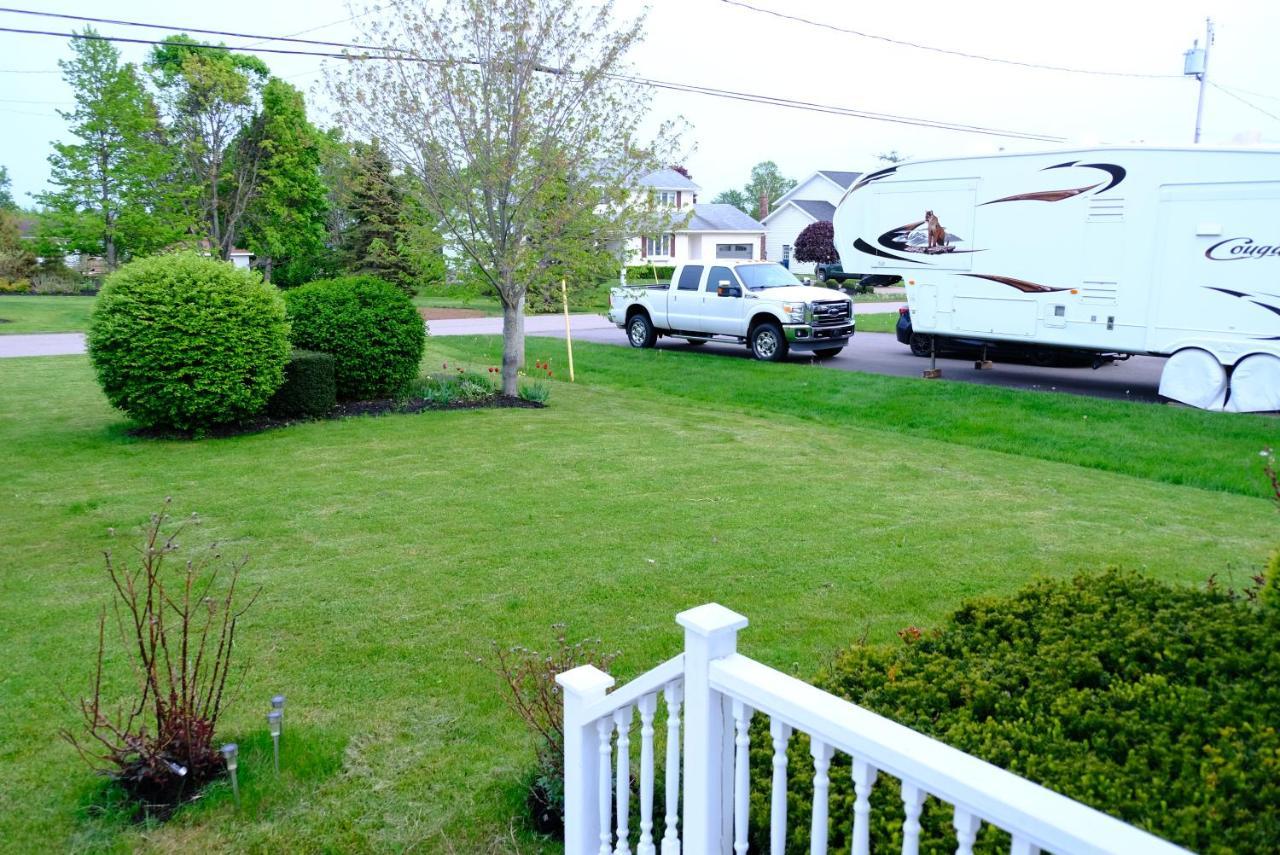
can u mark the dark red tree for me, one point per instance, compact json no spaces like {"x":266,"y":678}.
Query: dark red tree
{"x":677,"y":167}
{"x":817,"y":244}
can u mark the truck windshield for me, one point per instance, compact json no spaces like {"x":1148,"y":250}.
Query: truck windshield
{"x":757,"y":276}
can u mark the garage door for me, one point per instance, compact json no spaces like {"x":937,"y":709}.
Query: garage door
{"x":733,"y":250}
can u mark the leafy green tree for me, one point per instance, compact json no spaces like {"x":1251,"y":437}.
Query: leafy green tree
{"x":113,"y":191}
{"x":6,"y":190}
{"x":489,"y":141}
{"x":284,"y":224}
{"x":211,"y":97}
{"x":736,"y":198}
{"x":768,"y":181}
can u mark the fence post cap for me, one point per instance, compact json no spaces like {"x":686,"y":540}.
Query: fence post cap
{"x":711,"y":619}
{"x":584,"y":680}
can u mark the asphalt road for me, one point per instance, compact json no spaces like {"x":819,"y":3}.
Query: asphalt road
{"x":1135,"y":379}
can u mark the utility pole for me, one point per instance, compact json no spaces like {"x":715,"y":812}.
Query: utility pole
{"x":1195,"y":63}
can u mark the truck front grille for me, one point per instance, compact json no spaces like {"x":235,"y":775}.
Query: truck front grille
{"x":830,"y":314}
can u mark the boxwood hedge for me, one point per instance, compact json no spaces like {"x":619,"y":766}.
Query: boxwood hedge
{"x":308,"y":390}
{"x":1152,"y":703}
{"x":371,"y":328}
{"x":185,"y":342}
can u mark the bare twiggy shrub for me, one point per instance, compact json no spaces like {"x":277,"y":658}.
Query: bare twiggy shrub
{"x":529,"y":678}
{"x":177,"y":626}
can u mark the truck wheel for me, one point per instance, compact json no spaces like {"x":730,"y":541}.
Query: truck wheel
{"x":828,"y":352}
{"x":640,"y":331}
{"x":768,"y":344}
{"x":921,"y":344}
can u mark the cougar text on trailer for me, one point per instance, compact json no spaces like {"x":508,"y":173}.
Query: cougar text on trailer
{"x":1164,"y":251}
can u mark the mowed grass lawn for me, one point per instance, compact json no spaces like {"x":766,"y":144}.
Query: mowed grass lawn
{"x":826,"y":506}
{"x":40,"y":314}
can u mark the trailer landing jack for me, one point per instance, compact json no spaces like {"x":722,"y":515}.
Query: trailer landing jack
{"x":933,"y":372}
{"x":983,"y":364}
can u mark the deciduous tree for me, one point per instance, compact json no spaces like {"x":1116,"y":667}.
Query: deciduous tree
{"x":6,"y":190}
{"x":284,"y":223}
{"x":817,"y":243}
{"x":210,"y":97}
{"x":513,"y":125}
{"x":768,"y":181}
{"x":736,"y":198}
{"x":113,"y":191}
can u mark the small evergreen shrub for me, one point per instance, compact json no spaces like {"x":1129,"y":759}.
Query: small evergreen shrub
{"x":308,"y":390}
{"x":370,"y":327}
{"x":185,"y":342}
{"x":1153,"y":703}
{"x":643,"y":274}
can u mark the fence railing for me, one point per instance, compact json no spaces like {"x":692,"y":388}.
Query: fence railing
{"x":719,"y":692}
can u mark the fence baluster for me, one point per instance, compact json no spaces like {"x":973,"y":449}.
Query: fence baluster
{"x":781,"y":734}
{"x":966,"y":826}
{"x":864,"y":778}
{"x":912,"y":802}
{"x":674,"y":694}
{"x":622,"y":718}
{"x":821,"y":784}
{"x":604,"y":732}
{"x":741,"y":775}
{"x":647,"y":706}
{"x":1022,"y":846}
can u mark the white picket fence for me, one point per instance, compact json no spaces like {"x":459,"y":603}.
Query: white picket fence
{"x":719,"y":691}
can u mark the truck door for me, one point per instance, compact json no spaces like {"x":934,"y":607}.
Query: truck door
{"x":722,"y":314}
{"x":684,"y":302}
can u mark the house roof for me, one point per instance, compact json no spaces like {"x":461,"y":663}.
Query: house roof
{"x":844,"y":179}
{"x":667,"y":179}
{"x":711,"y":217}
{"x":819,"y":209}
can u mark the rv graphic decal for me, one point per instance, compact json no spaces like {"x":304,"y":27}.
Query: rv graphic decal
{"x":1116,"y":173}
{"x":1240,"y":248}
{"x":926,"y":236}
{"x":1255,"y":298}
{"x":1021,"y":284}
{"x":862,"y":246}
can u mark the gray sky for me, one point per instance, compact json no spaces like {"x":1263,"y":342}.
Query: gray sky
{"x":711,"y":43}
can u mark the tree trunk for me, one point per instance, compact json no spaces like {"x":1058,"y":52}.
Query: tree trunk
{"x":512,"y":345}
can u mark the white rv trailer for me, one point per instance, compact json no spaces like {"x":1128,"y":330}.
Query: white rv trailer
{"x":1129,"y":250}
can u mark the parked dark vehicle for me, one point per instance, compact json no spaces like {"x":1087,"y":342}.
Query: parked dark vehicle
{"x":999,"y":351}
{"x":828,"y":272}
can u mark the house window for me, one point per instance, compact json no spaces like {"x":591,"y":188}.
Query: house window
{"x":733,"y":250}
{"x":659,"y":246}
{"x":664,"y":197}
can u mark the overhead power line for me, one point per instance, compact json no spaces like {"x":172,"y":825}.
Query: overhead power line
{"x":1239,"y":90}
{"x":402,"y":55}
{"x":1247,"y":103}
{"x":949,"y":51}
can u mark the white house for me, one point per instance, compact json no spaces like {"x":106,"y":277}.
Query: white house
{"x":811,"y":200}
{"x":697,"y":230}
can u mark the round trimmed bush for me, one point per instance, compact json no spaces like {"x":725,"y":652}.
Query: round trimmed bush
{"x":371,"y":328}
{"x":186,"y":342}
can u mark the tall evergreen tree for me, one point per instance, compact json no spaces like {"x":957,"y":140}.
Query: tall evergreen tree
{"x":285,"y":221}
{"x":6,"y":190}
{"x":372,"y":240}
{"x":117,"y":175}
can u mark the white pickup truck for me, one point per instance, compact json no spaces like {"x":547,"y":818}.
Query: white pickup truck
{"x":756,"y":303}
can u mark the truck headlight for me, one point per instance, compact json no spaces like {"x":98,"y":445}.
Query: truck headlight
{"x":795,"y":311}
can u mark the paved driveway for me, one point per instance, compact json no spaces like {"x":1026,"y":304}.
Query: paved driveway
{"x":42,"y":344}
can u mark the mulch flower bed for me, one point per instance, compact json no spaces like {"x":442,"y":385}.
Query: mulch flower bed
{"x":345,"y":409}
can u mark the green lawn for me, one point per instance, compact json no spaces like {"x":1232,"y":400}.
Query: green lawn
{"x":876,"y":322}
{"x":823,"y":505}
{"x":24,"y":314}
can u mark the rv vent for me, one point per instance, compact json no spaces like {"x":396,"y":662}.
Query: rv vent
{"x":1095,"y":292}
{"x":1106,"y":209}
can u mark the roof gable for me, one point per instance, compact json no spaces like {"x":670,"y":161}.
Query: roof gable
{"x":828,"y":178}
{"x":667,"y":179}
{"x":712,"y":217}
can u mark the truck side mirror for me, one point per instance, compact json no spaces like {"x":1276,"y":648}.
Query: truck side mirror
{"x":725,"y":288}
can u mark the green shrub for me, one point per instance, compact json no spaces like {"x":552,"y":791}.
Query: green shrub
{"x":537,"y":391}
{"x":185,"y":342}
{"x":1152,"y":703}
{"x":308,"y":391}
{"x":371,"y":328}
{"x":14,"y":286}
{"x":446,"y":388}
{"x":643,"y":274}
